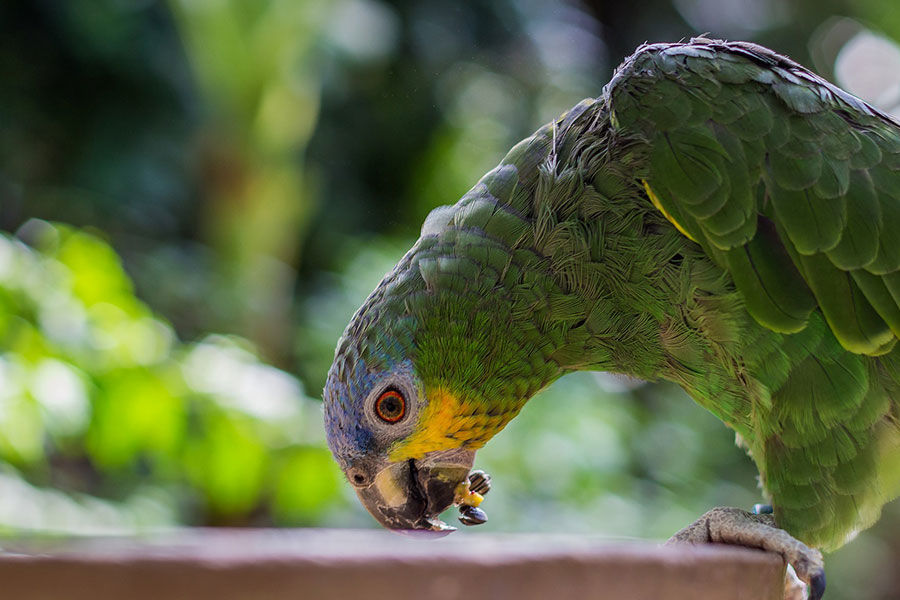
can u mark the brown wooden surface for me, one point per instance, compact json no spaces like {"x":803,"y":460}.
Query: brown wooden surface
{"x":377,"y":565}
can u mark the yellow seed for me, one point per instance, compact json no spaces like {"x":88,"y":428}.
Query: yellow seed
{"x":463,"y":496}
{"x":473,"y":499}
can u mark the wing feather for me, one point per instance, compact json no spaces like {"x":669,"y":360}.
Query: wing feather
{"x":738,"y":132}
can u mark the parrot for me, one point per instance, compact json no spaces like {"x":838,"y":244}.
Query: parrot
{"x":719,"y":217}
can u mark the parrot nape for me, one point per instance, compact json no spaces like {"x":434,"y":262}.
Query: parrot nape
{"x":720,"y":217}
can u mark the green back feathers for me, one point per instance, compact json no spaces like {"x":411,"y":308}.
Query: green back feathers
{"x":793,"y":187}
{"x":789,"y":182}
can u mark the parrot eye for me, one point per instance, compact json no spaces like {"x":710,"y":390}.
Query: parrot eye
{"x":390,"y":406}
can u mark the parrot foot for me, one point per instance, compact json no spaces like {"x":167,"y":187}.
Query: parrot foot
{"x":740,"y":528}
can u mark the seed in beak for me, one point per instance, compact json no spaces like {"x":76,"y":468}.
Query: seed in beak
{"x":471,"y":515}
{"x":469,"y":495}
{"x":479,"y":482}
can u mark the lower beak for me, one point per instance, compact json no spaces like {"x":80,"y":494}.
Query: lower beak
{"x":410,"y":495}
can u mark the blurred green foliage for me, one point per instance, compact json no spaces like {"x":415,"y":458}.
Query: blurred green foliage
{"x":99,"y":396}
{"x":200,"y":190}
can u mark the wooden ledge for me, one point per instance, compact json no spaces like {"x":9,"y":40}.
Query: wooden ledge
{"x":259,"y":564}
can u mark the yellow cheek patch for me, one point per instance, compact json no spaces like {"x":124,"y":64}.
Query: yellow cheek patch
{"x":449,"y":422}
{"x":655,"y":200}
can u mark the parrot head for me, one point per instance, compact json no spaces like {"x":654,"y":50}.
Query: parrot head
{"x":428,"y":370}
{"x":377,"y":429}
{"x":401,"y":423}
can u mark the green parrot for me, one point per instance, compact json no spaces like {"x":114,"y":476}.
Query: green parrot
{"x":720,"y":217}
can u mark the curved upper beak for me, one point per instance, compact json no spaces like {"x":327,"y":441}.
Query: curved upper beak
{"x":409,"y":495}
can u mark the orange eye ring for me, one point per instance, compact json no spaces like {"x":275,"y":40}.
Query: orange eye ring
{"x":390,"y":406}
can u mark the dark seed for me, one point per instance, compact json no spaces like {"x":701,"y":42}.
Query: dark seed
{"x":471,"y":515}
{"x":479,"y":482}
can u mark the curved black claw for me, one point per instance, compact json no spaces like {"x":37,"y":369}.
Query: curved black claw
{"x":817,"y":586}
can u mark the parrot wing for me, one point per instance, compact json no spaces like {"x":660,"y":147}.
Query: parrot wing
{"x":788,"y":182}
{"x":793,"y":186}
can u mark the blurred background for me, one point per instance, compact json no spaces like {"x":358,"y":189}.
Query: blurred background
{"x":195,"y":195}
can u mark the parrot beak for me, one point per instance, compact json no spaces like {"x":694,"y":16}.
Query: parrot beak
{"x":409,"y":495}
